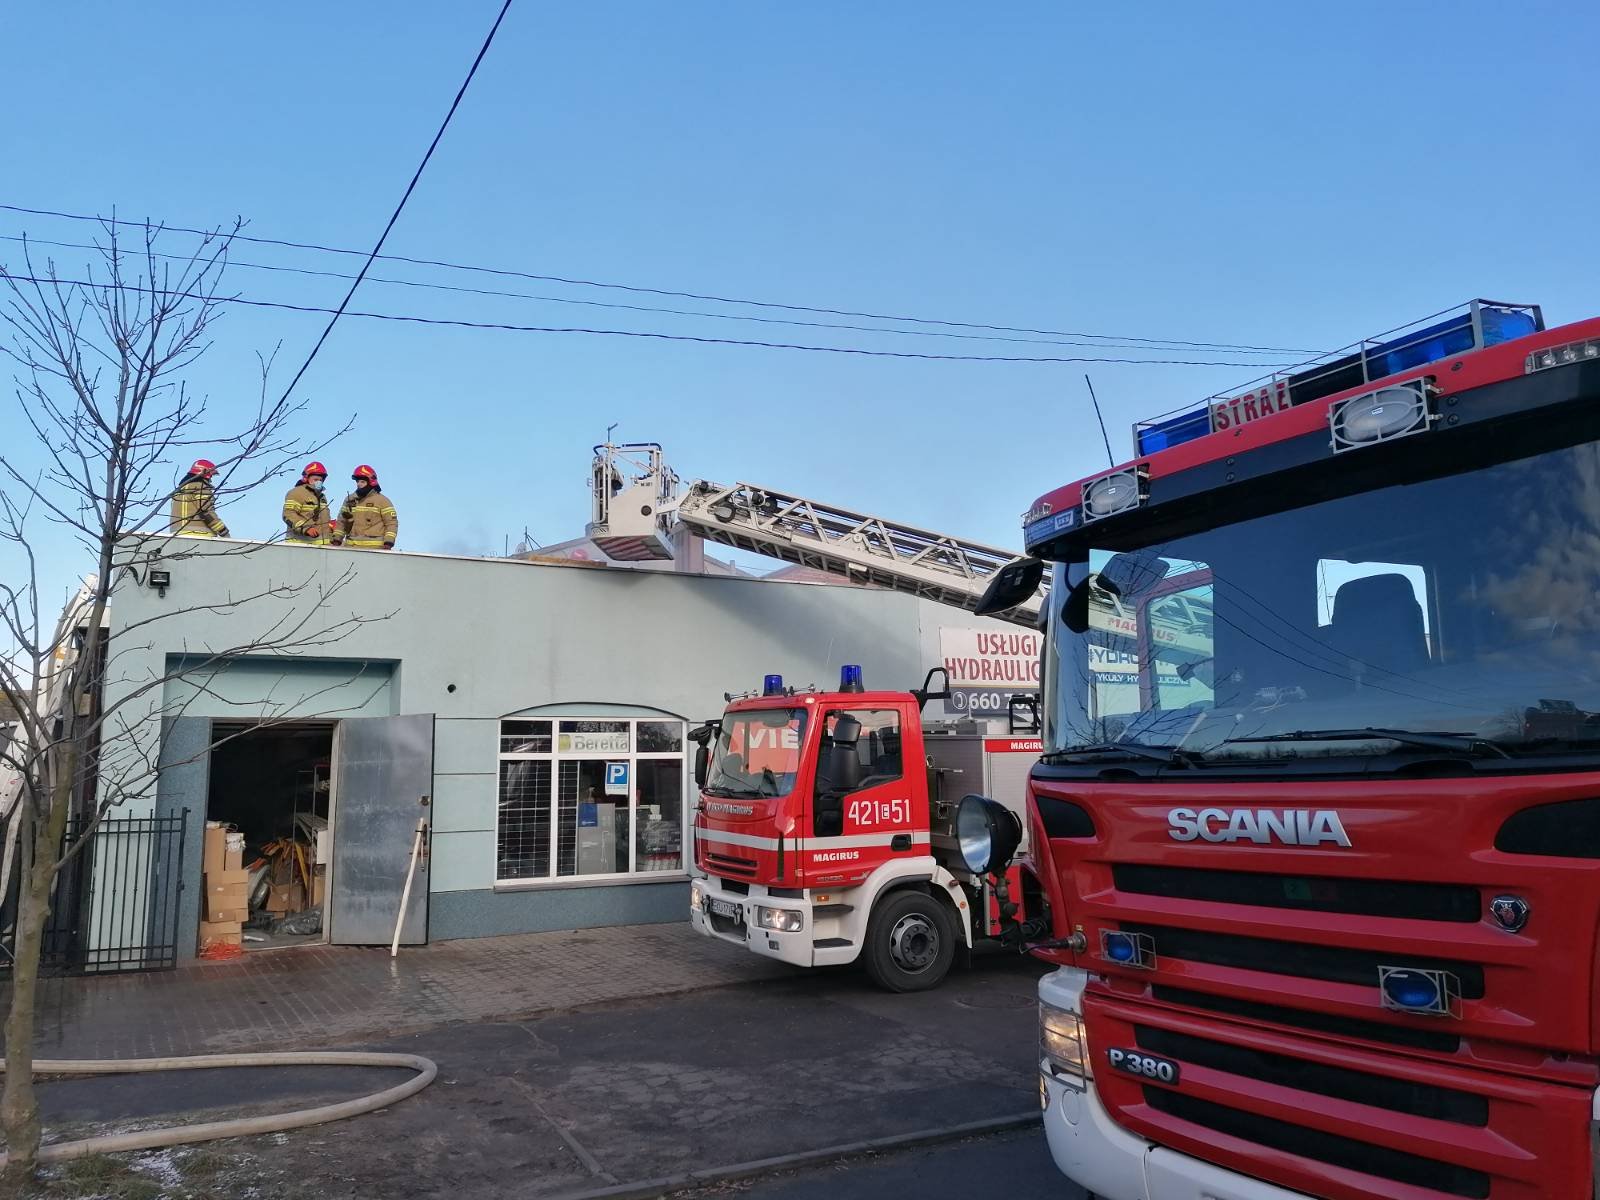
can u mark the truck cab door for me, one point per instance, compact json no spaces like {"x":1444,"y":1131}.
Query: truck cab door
{"x":864,"y":808}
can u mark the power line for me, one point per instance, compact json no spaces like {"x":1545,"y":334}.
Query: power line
{"x":632,"y":333}
{"x":645,"y":308}
{"x":1158,"y":343}
{"x":398,"y":208}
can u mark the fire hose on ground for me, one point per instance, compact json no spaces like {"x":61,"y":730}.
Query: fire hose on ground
{"x":181,"y":1135}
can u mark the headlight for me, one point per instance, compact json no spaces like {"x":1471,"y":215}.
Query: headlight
{"x":697,"y":898}
{"x":1063,"y":1045}
{"x":784,"y":920}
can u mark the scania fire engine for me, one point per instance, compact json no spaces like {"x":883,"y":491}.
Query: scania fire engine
{"x":1318,"y":809}
{"x":834,"y":827}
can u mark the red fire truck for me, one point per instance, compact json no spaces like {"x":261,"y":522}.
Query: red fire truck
{"x":834,"y":827}
{"x":1323,"y":859}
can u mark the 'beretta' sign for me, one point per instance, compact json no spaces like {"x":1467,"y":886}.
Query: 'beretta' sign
{"x":593,"y":743}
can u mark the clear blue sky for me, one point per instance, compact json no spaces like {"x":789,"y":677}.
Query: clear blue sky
{"x":1281,"y":174}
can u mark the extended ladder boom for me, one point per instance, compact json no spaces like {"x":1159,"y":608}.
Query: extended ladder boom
{"x":859,"y":547}
{"x":637,"y":511}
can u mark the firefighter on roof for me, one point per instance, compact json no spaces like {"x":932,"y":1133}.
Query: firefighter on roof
{"x":305,"y":509}
{"x":194,"y":503}
{"x":367,"y":517}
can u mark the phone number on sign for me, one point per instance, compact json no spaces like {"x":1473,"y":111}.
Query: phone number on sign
{"x":980,"y":700}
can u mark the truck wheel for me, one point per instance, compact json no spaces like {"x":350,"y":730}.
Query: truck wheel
{"x":910,"y":943}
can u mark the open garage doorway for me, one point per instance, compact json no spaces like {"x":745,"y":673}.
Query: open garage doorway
{"x":271,"y":787}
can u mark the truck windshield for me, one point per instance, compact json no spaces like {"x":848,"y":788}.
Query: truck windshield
{"x":1462,"y":606}
{"x":757,"y":753}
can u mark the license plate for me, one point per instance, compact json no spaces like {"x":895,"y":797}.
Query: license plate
{"x":727,"y":908}
{"x":1145,"y":1066}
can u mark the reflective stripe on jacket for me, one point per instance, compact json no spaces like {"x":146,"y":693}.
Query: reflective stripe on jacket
{"x":368,"y":520}
{"x":305,"y":508}
{"x":194,"y":510}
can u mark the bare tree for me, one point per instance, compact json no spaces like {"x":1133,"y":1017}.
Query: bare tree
{"x":101,"y":357}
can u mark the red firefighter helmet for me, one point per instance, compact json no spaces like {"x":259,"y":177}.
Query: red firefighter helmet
{"x":204,"y":468}
{"x":313,"y":468}
{"x":364,"y":472}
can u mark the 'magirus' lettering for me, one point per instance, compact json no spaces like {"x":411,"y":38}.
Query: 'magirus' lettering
{"x":1263,"y":826}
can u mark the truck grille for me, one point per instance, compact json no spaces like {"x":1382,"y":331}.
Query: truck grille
{"x":1316,"y":1022}
{"x":1336,"y":964}
{"x":726,"y":862}
{"x":1313,"y":893}
{"x":1345,"y":1120}
{"x":1380,"y":1161}
{"x":1361,"y":1087}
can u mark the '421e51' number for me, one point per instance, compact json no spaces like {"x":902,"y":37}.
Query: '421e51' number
{"x":879,"y":812}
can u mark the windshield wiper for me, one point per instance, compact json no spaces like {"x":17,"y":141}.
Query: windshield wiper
{"x":1470,"y":743}
{"x":1169,"y":755}
{"x":728,"y":793}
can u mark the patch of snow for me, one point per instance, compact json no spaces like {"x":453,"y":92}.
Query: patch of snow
{"x":161,"y":1166}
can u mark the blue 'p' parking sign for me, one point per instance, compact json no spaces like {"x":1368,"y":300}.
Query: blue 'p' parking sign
{"x":616,"y":779}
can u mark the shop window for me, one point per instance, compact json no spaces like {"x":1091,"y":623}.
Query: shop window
{"x":524,"y":841}
{"x":525,"y":737}
{"x":590,"y":799}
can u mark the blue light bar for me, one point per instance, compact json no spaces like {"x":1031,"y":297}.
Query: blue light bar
{"x":850,"y":679}
{"x":1478,"y":325}
{"x":1448,"y":338}
{"x":1173,"y":431}
{"x":772,"y":685}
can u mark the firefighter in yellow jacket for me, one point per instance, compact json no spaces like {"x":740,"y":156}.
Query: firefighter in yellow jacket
{"x":305,"y":509}
{"x":367,"y":517}
{"x":194,"y":503}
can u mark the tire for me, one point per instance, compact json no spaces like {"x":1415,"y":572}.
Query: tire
{"x":911,"y":942}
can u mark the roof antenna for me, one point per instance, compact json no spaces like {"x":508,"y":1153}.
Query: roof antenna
{"x":1110,"y":458}
{"x":614,"y":424}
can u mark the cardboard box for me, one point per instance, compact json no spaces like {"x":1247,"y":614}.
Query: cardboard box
{"x":215,"y":858}
{"x":279,"y":897}
{"x":228,"y":896}
{"x":225,"y":933}
{"x":232,"y":906}
{"x":319,"y":887}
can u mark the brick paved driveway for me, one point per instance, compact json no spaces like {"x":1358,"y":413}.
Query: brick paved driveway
{"x":316,"y":995}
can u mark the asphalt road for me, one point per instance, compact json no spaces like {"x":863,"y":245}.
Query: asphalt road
{"x":624,"y":1092}
{"x":1015,"y":1165}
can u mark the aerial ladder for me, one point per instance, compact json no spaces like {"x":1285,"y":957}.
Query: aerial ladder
{"x":643,"y":511}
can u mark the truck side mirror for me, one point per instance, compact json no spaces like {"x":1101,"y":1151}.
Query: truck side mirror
{"x":1013,"y":584}
{"x":927,"y":691}
{"x":702,"y":765}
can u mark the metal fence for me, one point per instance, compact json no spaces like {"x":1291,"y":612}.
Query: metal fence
{"x":115,"y":906}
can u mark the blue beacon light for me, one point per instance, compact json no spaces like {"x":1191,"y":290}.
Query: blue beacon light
{"x":1412,"y":990}
{"x":772,"y":685}
{"x":1119,"y":947}
{"x":850,"y":679}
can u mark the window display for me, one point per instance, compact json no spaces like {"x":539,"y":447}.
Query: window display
{"x":590,"y":798}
